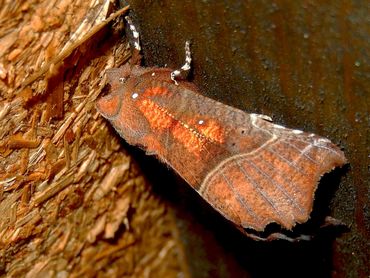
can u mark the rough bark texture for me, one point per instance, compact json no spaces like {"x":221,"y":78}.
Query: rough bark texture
{"x":73,"y":203}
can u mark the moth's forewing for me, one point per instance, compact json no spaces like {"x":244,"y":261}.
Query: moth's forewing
{"x":252,"y":171}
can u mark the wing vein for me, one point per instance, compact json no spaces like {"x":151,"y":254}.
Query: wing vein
{"x":284,"y":178}
{"x":277,"y":185}
{"x":302,"y":152}
{"x":240,"y":198}
{"x":292,"y":165}
{"x":259,"y":190}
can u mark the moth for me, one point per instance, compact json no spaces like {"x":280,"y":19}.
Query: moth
{"x":252,"y":171}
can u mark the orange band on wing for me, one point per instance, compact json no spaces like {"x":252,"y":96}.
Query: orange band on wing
{"x":160,"y":119}
{"x":156,"y":91}
{"x":212,"y":130}
{"x":188,"y":138}
{"x":157,"y":116}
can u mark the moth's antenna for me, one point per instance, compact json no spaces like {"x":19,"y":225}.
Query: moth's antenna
{"x":186,"y":66}
{"x":136,"y":57}
{"x":135,"y":33}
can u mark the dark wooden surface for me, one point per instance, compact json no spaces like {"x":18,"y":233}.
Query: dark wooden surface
{"x":306,"y":64}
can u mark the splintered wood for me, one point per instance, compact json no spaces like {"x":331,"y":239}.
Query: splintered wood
{"x":72,"y":201}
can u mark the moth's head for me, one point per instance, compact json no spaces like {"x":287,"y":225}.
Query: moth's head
{"x":117,"y":77}
{"x":121,"y":81}
{"x":119,"y":106}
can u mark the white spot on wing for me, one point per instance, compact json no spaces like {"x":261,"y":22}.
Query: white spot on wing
{"x":135,"y":95}
{"x":200,"y":122}
{"x":279,"y":126}
{"x":321,"y":142}
{"x":297,"y":131}
{"x":265,"y":117}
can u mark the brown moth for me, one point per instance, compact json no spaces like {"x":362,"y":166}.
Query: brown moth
{"x":252,"y":171}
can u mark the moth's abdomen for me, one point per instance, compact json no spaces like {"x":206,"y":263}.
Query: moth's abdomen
{"x":276,"y":183}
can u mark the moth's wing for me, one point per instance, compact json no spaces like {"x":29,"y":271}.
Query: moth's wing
{"x":260,"y":172}
{"x":274,"y":182}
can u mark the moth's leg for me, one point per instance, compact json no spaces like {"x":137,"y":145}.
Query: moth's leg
{"x":332,"y":222}
{"x":276,"y":236}
{"x":136,"y":57}
{"x":186,"y":66}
